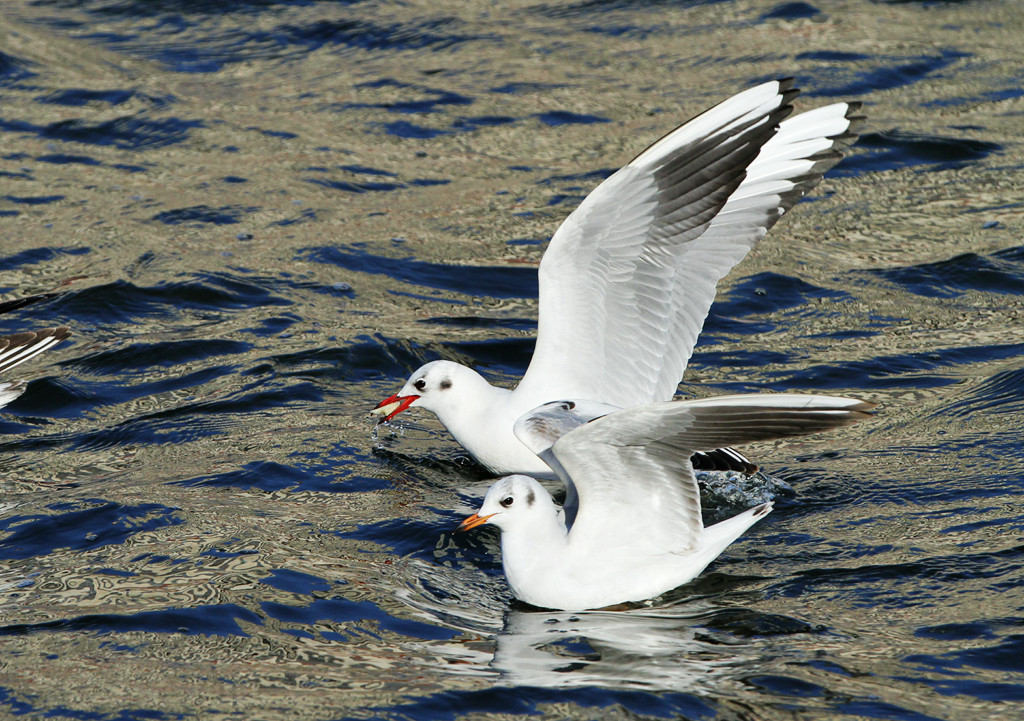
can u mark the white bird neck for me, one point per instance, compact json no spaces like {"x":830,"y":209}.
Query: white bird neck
{"x":531,"y":552}
{"x":480,"y":417}
{"x":465,"y":406}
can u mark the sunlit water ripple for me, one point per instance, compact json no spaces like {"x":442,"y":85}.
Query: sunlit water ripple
{"x":258,"y":220}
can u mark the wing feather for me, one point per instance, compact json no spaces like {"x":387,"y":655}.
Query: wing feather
{"x":628,"y":278}
{"x":18,"y":348}
{"x":633,"y":465}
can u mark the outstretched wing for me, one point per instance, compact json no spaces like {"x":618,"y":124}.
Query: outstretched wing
{"x":628,"y":278}
{"x":631,"y":468}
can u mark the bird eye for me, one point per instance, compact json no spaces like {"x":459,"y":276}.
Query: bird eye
{"x":568,"y":405}
{"x":507,"y":501}
{"x":420,"y":384}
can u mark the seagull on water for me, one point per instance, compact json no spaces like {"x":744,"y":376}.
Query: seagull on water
{"x":18,"y":348}
{"x":628,"y":278}
{"x":631,"y":528}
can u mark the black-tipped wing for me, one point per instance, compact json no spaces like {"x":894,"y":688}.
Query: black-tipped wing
{"x":631,"y":469}
{"x":18,"y":348}
{"x":628,"y":278}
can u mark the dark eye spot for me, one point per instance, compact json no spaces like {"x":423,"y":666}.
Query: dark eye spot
{"x":568,"y":405}
{"x":507,"y":501}
{"x":446,"y":384}
{"x":420,"y":384}
{"x":530,"y":498}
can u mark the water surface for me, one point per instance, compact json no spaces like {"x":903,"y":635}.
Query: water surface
{"x":258,"y":218}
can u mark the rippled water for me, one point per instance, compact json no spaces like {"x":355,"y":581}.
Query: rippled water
{"x":259,"y":217}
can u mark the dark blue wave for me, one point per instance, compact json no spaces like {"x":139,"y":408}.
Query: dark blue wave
{"x":787,"y":686}
{"x":1000,"y":393}
{"x":555,"y":118}
{"x":198,"y":215}
{"x":519,"y":88}
{"x":143,"y":9}
{"x":901,"y":585}
{"x":78,"y":97}
{"x":365,"y":170}
{"x":13,"y":70}
{"x":334,"y":470}
{"x":590,"y":178}
{"x":33,"y":199}
{"x":588,"y":7}
{"x":924,"y":369}
{"x":892,"y":72}
{"x":122,"y":302}
{"x":193,"y":421}
{"x":353,"y":187}
{"x":833,"y":56}
{"x":896,"y":149}
{"x":990,"y":96}
{"x":481,"y":121}
{"x":988,"y":691}
{"x":531,"y":701}
{"x":360,"y":360}
{"x":214,"y":620}
{"x":285,"y":579}
{"x":22,"y":706}
{"x":487,"y":281}
{"x":80,"y":526}
{"x":405,"y":537}
{"x":473,"y":321}
{"x":266,"y":476}
{"x":405,"y":129}
{"x":126,"y":133}
{"x":508,"y":356}
{"x":1000,"y":272}
{"x":65,"y":159}
{"x":766,"y":294}
{"x":433,"y":100}
{"x":1005,"y":656}
{"x":791,"y":11}
{"x":65,"y":398}
{"x":139,"y":358}
{"x":271,"y":327}
{"x":748,"y":623}
{"x":197,"y":46}
{"x":342,"y":610}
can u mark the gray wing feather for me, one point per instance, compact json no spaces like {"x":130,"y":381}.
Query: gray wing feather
{"x":631,"y":469}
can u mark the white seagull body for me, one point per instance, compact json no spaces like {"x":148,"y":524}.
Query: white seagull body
{"x":628,"y":278}
{"x":637,"y":530}
{"x":18,"y":348}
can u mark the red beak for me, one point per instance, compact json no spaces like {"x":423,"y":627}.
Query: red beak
{"x":391,"y":407}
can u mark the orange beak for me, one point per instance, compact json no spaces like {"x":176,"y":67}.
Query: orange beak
{"x":473,"y":521}
{"x":391,"y":407}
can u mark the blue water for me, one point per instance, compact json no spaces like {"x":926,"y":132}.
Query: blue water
{"x":258,"y":219}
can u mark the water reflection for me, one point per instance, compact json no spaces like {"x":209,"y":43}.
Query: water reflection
{"x":651,"y":648}
{"x":693,"y":638}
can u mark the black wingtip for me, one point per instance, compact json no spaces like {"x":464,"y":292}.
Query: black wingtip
{"x":723,"y":459}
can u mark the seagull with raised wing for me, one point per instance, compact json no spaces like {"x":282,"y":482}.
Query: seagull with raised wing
{"x":628,"y":278}
{"x":631,"y":528}
{"x":18,"y":348}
